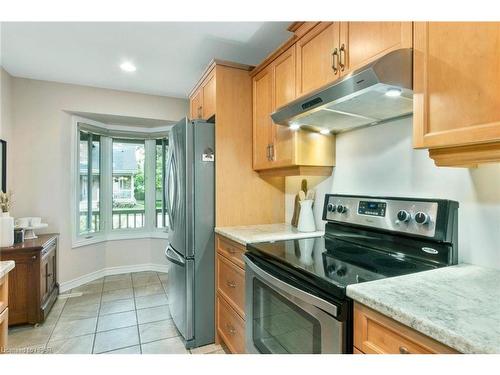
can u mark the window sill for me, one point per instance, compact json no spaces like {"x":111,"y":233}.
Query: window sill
{"x":80,"y":242}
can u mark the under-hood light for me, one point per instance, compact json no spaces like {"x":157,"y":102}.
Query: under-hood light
{"x":324,"y":131}
{"x":393,"y":92}
{"x":295,"y":126}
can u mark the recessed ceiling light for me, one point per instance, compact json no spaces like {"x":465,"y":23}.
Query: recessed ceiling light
{"x":295,"y":126}
{"x":393,"y":92}
{"x":127,"y":66}
{"x":324,"y":131}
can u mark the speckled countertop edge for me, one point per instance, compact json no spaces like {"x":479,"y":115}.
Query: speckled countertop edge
{"x":6,"y":266}
{"x":372,"y":295}
{"x":264,"y":233}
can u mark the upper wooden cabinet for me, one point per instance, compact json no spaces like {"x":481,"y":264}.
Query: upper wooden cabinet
{"x":331,"y":50}
{"x":363,"y":42}
{"x":317,"y":57}
{"x":202,"y":99}
{"x":196,"y":104}
{"x":262,"y":90}
{"x":277,"y":149}
{"x":457,"y":91}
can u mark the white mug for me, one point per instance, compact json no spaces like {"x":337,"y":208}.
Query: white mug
{"x":23,"y":222}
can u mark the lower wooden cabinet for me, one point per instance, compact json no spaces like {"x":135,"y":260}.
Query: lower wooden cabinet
{"x":230,"y":296}
{"x":4,"y":312}
{"x":230,"y":327}
{"x":4,"y":326}
{"x":33,"y":287}
{"x":375,"y":333}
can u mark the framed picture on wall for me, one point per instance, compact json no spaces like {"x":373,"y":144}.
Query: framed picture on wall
{"x":3,"y":165}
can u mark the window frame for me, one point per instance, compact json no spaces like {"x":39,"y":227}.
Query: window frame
{"x":107,"y":133}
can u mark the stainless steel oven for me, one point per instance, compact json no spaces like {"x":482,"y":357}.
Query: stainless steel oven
{"x":287,"y":316}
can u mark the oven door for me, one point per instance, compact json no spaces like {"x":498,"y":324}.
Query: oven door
{"x":281,"y":318}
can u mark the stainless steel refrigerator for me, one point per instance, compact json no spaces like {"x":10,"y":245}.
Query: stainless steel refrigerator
{"x":190,"y":200}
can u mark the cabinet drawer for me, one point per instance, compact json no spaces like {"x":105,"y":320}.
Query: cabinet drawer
{"x":231,"y":250}
{"x":375,"y":333}
{"x":4,"y":326}
{"x":230,"y":327}
{"x":4,"y":292}
{"x":231,"y":284}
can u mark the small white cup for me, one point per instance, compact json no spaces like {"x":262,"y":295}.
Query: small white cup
{"x":23,"y":222}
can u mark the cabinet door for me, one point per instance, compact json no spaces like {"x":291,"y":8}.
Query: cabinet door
{"x":209,"y":97}
{"x":196,"y":104}
{"x":262,"y":123}
{"x":456,"y":83}
{"x":315,"y":57}
{"x":284,"y":92}
{"x":364,"y":42}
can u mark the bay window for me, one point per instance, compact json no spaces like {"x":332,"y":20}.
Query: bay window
{"x":119,"y":183}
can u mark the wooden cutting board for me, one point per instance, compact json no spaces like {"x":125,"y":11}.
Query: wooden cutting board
{"x":296,"y":206}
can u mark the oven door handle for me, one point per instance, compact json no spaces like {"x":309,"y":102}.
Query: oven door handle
{"x":293,"y":291}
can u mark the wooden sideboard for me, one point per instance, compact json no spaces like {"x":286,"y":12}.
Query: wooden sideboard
{"x":33,"y":286}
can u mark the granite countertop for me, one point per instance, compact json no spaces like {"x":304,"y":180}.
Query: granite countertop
{"x":264,"y":233}
{"x":458,"y":306}
{"x":6,"y":267}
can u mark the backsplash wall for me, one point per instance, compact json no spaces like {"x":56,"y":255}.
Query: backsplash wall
{"x":380,"y":160}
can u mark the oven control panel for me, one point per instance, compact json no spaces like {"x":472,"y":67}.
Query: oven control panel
{"x":400,"y":215}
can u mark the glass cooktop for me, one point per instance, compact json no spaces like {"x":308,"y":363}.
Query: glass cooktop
{"x":338,"y":262}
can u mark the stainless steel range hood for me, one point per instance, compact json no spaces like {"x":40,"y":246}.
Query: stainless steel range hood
{"x":378,"y":92}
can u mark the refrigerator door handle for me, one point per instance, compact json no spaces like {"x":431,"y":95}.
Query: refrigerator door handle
{"x":170,"y":182}
{"x":174,"y":257}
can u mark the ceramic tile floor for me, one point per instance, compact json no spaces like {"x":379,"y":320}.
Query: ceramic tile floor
{"x":120,"y":314}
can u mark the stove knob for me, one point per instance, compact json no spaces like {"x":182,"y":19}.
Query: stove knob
{"x":341,"y":271}
{"x":341,"y":209}
{"x":421,"y":218}
{"x":331,"y":207}
{"x":404,"y":216}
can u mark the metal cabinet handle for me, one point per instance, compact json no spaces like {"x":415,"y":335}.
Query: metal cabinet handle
{"x":335,"y":60}
{"x":404,"y":350}
{"x":231,"y":284}
{"x":342,"y":60}
{"x":199,"y":111}
{"x":33,"y":257}
{"x":230,"y":329}
{"x":268,"y":151}
{"x":271,"y":155}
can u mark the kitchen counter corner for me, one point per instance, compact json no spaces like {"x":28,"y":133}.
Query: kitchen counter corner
{"x":458,"y":306}
{"x":6,"y":267}
{"x":264,"y":233}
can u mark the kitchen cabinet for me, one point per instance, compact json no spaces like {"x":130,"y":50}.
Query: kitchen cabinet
{"x":331,"y":50}
{"x":363,"y":42}
{"x":278,"y":150}
{"x":375,"y":333}
{"x":262,"y":123}
{"x":33,"y":287}
{"x":230,"y":296}
{"x":457,"y":91}
{"x":196,"y":104}
{"x":4,"y":311}
{"x":202,"y":99}
{"x":226,"y":88}
{"x":317,"y":57}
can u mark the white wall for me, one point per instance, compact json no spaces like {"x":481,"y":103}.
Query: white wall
{"x":41,"y":165}
{"x":6,"y":118}
{"x":381,"y":161}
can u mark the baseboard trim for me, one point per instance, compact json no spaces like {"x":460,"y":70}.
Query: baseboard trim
{"x":68,"y":285}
